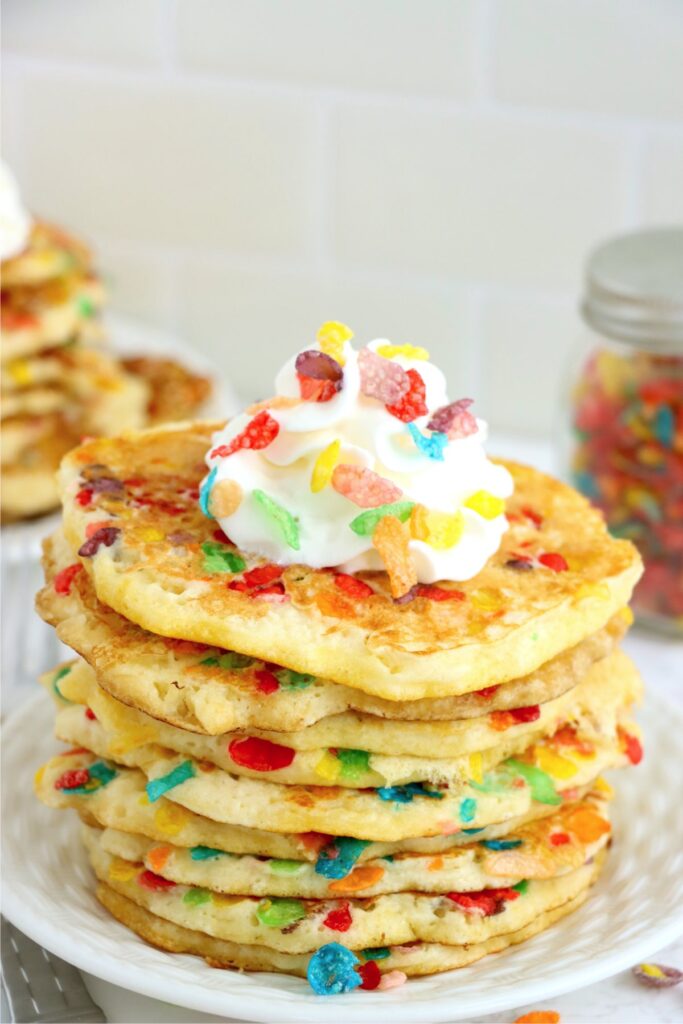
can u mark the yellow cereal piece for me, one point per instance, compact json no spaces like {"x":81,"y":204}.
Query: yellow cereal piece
{"x":170,"y":818}
{"x":38,"y":777}
{"x":20,"y":372}
{"x":627,"y":615}
{"x":221,"y":899}
{"x":476,"y":767}
{"x":441,"y":530}
{"x":485,"y":504}
{"x":332,"y":337}
{"x":407,"y":351}
{"x":328,"y":767}
{"x":598,"y":591}
{"x":486,"y":599}
{"x":553,"y":764}
{"x":603,"y":786}
{"x":121,"y":870}
{"x":150,"y":534}
{"x":652,"y":970}
{"x":130,"y":739}
{"x":324,"y":465}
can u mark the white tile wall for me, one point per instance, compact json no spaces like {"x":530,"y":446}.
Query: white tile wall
{"x":433,"y":170}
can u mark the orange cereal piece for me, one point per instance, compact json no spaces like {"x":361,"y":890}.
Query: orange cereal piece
{"x":539,"y":1017}
{"x":157,"y":857}
{"x":391,"y":539}
{"x":361,"y":878}
{"x":225,"y":498}
{"x":588,"y":826}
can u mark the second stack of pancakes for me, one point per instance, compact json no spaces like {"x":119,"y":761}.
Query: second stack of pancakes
{"x":251,"y":813}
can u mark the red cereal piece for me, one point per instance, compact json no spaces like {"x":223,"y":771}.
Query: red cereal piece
{"x":148,"y":880}
{"x":352,"y":586}
{"x":559,"y":839}
{"x":413,"y":403}
{"x":339,"y":919}
{"x":65,"y":577}
{"x":73,"y":778}
{"x":535,"y":518}
{"x":266,"y":681}
{"x":103,"y":537}
{"x":381,"y":378}
{"x":262,"y":575}
{"x":314,"y":840}
{"x":371,"y":975}
{"x":364,"y":487}
{"x":529,"y":714}
{"x":486,"y":902}
{"x":487,"y":692}
{"x":454,"y":420}
{"x":258,"y":433}
{"x":320,"y":376}
{"x":84,"y":496}
{"x":554,"y":561}
{"x":260,"y":755}
{"x":438,"y":593}
{"x":90,"y":715}
{"x":633,"y":748}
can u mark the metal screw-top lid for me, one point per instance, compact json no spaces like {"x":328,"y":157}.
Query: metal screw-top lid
{"x":634,"y":288}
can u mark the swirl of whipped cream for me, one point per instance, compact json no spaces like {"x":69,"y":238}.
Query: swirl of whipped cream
{"x":369,"y":436}
{"x":15,"y":220}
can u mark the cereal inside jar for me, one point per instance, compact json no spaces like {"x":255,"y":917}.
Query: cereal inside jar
{"x":626,"y":451}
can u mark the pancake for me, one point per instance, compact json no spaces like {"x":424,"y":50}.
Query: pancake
{"x":358,"y":750}
{"x":122,"y":805}
{"x":21,"y":433}
{"x":508,"y":623}
{"x":33,"y":402}
{"x":212,"y":691}
{"x":175,"y":392}
{"x":50,"y":253}
{"x":384,"y":920}
{"x":541,"y":850}
{"x":29,"y":485}
{"x":413,"y":959}
{"x":50,"y":316}
{"x":387,"y":813}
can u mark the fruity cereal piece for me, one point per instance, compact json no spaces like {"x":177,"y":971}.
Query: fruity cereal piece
{"x":323,"y":467}
{"x":331,"y":970}
{"x":657,"y":975}
{"x":258,"y":434}
{"x":382,"y":379}
{"x":454,"y":420}
{"x":441,"y":530}
{"x":332,"y":337}
{"x":407,"y":351}
{"x":432,"y":447}
{"x":320,"y":376}
{"x":392,"y":541}
{"x":225,"y":498}
{"x":413,"y":403}
{"x":364,"y":487}
{"x":364,"y":524}
{"x":280,"y":517}
{"x":260,"y":755}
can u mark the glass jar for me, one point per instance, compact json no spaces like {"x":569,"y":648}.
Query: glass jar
{"x":626,"y":446}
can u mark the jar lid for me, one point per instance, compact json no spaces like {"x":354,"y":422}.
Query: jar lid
{"x":634,"y":288}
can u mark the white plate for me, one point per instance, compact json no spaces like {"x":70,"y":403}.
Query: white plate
{"x":636,"y":908}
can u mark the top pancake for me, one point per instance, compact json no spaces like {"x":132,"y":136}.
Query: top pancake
{"x":164,"y":566}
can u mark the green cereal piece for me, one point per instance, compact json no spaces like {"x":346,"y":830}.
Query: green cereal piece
{"x":286,"y":867}
{"x":353,"y":763}
{"x":279,"y":913}
{"x":229,"y":660}
{"x":86,"y":306}
{"x":291,"y":680}
{"x":195,"y":897}
{"x":375,"y":953}
{"x":206,"y":853}
{"x":541,"y":785}
{"x":218,"y":558}
{"x":521,"y":887}
{"x":283,"y":520}
{"x":364,"y":524}
{"x":63,"y":671}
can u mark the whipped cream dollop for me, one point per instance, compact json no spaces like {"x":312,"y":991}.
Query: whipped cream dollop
{"x":306,"y":476}
{"x":15,"y":220}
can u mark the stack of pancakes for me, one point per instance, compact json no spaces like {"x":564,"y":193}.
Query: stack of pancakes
{"x":269,"y":760}
{"x":56,"y":386}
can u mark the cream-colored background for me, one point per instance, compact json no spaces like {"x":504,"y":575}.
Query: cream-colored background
{"x":433,"y":170}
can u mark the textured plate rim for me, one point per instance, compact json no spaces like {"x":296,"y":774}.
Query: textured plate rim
{"x":354,"y":1008}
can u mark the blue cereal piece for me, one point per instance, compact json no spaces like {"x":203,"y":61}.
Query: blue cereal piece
{"x":205,"y":492}
{"x":501,"y":844}
{"x":336,"y":860}
{"x":181,"y":773}
{"x":405,"y":794}
{"x":432,"y":446}
{"x":331,"y":970}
